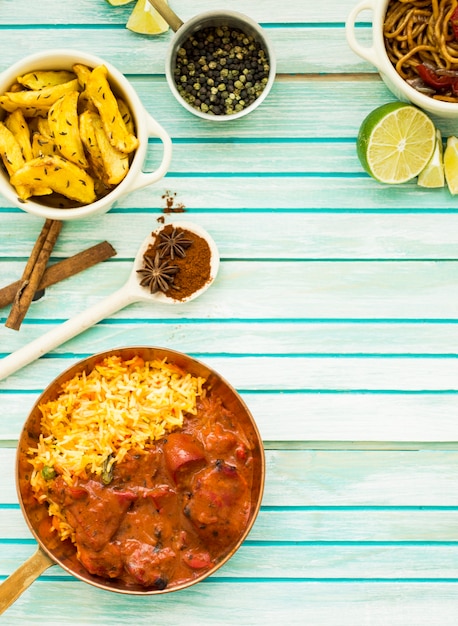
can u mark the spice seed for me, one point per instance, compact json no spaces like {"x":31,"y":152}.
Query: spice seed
{"x":221,"y":70}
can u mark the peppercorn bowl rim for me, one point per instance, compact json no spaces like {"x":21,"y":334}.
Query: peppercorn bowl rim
{"x":377,"y":55}
{"x":60,"y":553}
{"x":217,"y":18}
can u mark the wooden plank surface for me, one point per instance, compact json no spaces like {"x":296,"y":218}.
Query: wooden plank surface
{"x":334,"y":315}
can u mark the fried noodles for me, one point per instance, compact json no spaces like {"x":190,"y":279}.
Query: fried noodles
{"x":421,"y":33}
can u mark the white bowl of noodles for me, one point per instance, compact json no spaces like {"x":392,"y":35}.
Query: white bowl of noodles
{"x":415,"y":50}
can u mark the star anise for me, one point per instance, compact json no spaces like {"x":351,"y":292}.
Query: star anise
{"x":173,"y":244}
{"x":157,"y":275}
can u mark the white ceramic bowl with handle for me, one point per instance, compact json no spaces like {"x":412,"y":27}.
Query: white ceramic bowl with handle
{"x":376,"y":55}
{"x":145,"y":127}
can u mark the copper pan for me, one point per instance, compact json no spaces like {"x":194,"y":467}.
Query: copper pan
{"x":54,"y":551}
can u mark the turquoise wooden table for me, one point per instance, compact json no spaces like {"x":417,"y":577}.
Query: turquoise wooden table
{"x":334,"y":314}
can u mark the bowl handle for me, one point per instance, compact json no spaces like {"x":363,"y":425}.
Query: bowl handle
{"x":143,"y":179}
{"x":366,"y":53}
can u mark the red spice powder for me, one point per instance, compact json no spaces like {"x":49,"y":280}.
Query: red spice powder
{"x":194,"y":270}
{"x":170,"y":203}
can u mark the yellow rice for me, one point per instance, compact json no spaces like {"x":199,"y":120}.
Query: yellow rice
{"x":117,"y":406}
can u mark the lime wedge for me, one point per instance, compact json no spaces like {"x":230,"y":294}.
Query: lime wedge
{"x":145,"y":20}
{"x":119,"y":3}
{"x":433,"y":174}
{"x":451,"y":164}
{"x":395,"y":142}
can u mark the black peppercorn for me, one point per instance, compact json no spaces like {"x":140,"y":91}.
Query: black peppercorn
{"x":221,"y":70}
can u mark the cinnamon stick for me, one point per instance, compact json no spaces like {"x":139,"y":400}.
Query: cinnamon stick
{"x":62,"y":270}
{"x":33,"y":272}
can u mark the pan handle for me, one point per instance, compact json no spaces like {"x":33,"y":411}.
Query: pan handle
{"x":23,"y":577}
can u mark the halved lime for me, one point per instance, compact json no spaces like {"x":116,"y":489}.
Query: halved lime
{"x":145,"y":20}
{"x":395,"y":142}
{"x":451,"y":164}
{"x":433,"y":174}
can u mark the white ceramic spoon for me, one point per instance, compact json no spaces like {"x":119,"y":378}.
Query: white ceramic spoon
{"x":131,"y":292}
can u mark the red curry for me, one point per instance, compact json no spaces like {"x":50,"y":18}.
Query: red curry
{"x":170,"y":512}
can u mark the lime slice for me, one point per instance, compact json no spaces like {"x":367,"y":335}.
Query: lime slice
{"x":119,"y":3}
{"x":433,"y":174}
{"x":395,"y":142}
{"x":145,"y":20}
{"x":451,"y":164}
